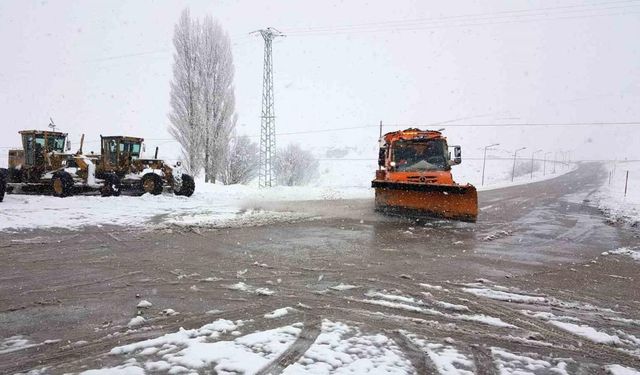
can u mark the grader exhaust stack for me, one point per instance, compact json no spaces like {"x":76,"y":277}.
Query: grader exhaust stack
{"x":415,"y":177}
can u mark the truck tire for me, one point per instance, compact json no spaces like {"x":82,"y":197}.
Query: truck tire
{"x":111,"y":186}
{"x":3,"y":183}
{"x":151,"y":183}
{"x":62,"y":184}
{"x":188,"y":186}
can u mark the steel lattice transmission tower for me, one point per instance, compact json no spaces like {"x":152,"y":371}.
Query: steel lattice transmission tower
{"x":266,"y":176}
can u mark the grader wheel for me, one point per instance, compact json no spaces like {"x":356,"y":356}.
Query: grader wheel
{"x":62,"y":184}
{"x":111,"y":186}
{"x":152,"y":184}
{"x":188,"y":186}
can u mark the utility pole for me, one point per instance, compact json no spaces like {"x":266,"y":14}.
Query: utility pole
{"x":484,"y":159}
{"x":513,"y":171}
{"x":544,"y":168}
{"x":533,"y":153}
{"x":266,"y":175}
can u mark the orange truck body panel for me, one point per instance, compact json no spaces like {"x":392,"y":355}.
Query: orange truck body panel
{"x":421,"y":192}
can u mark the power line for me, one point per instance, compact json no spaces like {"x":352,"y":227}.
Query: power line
{"x":439,"y":25}
{"x":474,"y":16}
{"x":514,"y":125}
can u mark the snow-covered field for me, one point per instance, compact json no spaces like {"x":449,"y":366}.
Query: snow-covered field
{"x":220,"y":205}
{"x":611,"y":197}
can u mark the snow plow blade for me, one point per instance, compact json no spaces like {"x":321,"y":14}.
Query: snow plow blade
{"x":457,"y":202}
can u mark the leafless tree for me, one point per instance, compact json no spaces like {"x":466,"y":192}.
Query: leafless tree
{"x":295,"y":166}
{"x":242,"y":163}
{"x":202,"y":94}
{"x":218,"y":98}
{"x":186,"y":124}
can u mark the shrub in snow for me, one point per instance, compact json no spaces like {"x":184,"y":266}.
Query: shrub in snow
{"x":295,"y":166}
{"x":242,"y":162}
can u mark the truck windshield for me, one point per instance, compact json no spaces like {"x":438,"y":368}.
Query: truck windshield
{"x":420,"y":155}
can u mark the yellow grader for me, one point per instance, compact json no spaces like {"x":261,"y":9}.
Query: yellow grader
{"x":44,"y":165}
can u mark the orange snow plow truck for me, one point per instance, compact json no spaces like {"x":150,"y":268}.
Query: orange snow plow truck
{"x":414,"y":177}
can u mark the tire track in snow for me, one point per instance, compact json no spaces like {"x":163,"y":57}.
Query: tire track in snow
{"x":559,"y":338}
{"x":310,"y":332}
{"x":418,"y":358}
{"x":482,"y":360}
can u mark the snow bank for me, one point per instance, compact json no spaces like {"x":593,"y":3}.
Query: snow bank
{"x":611,"y":197}
{"x":224,"y":209}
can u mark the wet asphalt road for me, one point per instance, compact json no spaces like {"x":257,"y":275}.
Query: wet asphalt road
{"x":539,"y":238}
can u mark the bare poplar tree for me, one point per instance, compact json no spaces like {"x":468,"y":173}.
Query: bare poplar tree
{"x":186,"y":125}
{"x":218,"y":98}
{"x":295,"y":166}
{"x":242,"y":163}
{"x":202,"y":94}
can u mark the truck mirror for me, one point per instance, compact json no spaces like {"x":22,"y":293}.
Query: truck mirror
{"x":457,"y":155}
{"x":68,"y":145}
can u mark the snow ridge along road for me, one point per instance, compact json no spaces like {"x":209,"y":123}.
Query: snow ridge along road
{"x":524,"y":290}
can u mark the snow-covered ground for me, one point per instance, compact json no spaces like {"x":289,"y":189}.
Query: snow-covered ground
{"x":611,"y":197}
{"x":231,"y":347}
{"x":219,"y":205}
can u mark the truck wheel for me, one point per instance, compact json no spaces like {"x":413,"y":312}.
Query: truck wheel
{"x":62,"y":184}
{"x":188,"y":186}
{"x":152,"y":184}
{"x":111,"y":186}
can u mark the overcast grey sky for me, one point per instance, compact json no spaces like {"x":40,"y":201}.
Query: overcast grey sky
{"x":105,"y":66}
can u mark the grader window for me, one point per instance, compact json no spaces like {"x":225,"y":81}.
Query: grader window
{"x":50,"y":143}
{"x":109,"y":150}
{"x":130,"y":148}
